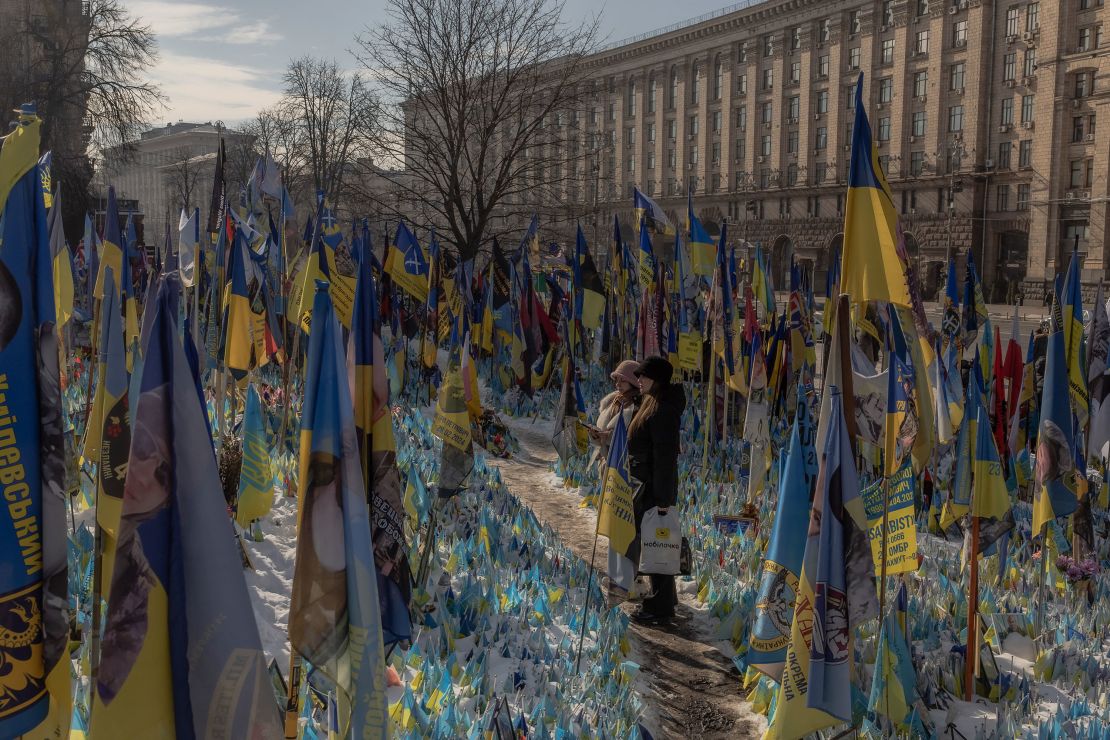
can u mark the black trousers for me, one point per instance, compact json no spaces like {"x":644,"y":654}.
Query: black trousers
{"x":664,"y":596}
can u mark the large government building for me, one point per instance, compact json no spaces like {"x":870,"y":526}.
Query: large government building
{"x":985,"y":114}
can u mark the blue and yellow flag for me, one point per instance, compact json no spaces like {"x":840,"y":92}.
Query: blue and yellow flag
{"x":334,"y":620}
{"x":111,"y":248}
{"x":894,"y":683}
{"x":990,"y":496}
{"x":778,"y":585}
{"x":1056,"y":487}
{"x":378,"y":453}
{"x":901,"y":427}
{"x":950,"y":320}
{"x":181,"y":655}
{"x":238,"y":341}
{"x":873,"y":267}
{"x":703,"y":253}
{"x":60,"y":256}
{"x":33,"y":601}
{"x":615,"y":517}
{"x":644,"y":208}
{"x":589,"y":292}
{"x":256,"y":480}
{"x":1072,"y":308}
{"x":407,"y":265}
{"x":646,"y":260}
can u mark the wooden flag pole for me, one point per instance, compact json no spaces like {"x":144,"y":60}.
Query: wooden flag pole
{"x":972,"y":612}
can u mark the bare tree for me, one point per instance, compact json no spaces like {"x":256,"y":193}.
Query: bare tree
{"x":181,"y":178}
{"x":276,"y":131}
{"x":484,"y":98}
{"x":336,"y":115}
{"x":84,"y":65}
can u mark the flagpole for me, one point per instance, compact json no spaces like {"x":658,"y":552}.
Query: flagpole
{"x":972,"y":612}
{"x":847,"y":393}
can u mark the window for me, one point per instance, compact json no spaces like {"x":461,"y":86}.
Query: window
{"x":1030,"y":65}
{"x":1032,"y":10}
{"x":795,"y":72}
{"x":1026,"y":108}
{"x":764,"y":180}
{"x":820,"y":172}
{"x":718,"y":77}
{"x":823,"y":101}
{"x":1075,"y":232}
{"x":769,"y":45}
{"x":716,"y":181}
{"x":766,"y":112}
{"x":1084,"y":39}
{"x":917,"y":163}
{"x":1002,"y":198}
{"x":612,"y":111}
{"x":742,"y":53}
{"x":920,"y":83}
{"x":886,"y":90}
{"x":1085,"y":4}
{"x":695,"y":84}
{"x":956,"y":118}
{"x":1004,"y":149}
{"x":1025,"y":153}
{"x":1023,"y":197}
{"x":1077,"y":129}
{"x":795,"y":106}
{"x":918,"y":123}
{"x":851,"y":99}
{"x":742,"y":118}
{"x":791,"y":181}
{"x":1007,"y":111}
{"x":672,"y":92}
{"x":909,"y":201}
{"x":888,"y":51}
{"x":921,"y":42}
{"x":593,"y":115}
{"x":695,"y":129}
{"x":671,"y":158}
{"x":768,"y":79}
{"x":742,"y":84}
{"x":855,"y":22}
{"x":631,"y":138}
{"x":694,"y":154}
{"x":651,"y":159}
{"x":672,"y":129}
{"x":822,"y":140}
{"x":651,"y":95}
{"x":740,"y":150}
{"x":631,"y":159}
{"x":765,"y":145}
{"x":826,"y":30}
{"x":716,"y":152}
{"x":1083,"y":84}
{"x":1077,"y":169}
{"x":796,"y":39}
{"x":884,"y":129}
{"x":1091,"y":125}
{"x":884,"y":162}
{"x":631,"y":99}
{"x":956,"y":77}
{"x":1089,"y":180}
{"x":717,"y":116}
{"x":823,"y":65}
{"x":792,"y":142}
{"x":1009,"y":66}
{"x":853,"y":58}
{"x":922,"y":8}
{"x":959,"y":34}
{"x":651,"y":132}
{"x":1013,"y":19}
{"x":888,"y":12}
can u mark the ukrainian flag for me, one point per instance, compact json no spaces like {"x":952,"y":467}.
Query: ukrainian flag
{"x":256,"y":480}
{"x":181,"y":655}
{"x":1074,"y":345}
{"x":589,"y":294}
{"x":899,"y":401}
{"x":616,"y":518}
{"x":1055,"y":494}
{"x":990,"y":496}
{"x":238,"y":343}
{"x":872,"y":264}
{"x":644,"y":207}
{"x":111,"y":248}
{"x":647,"y":260}
{"x":407,"y":265}
{"x":703,"y":257}
{"x":894,"y":684}
{"x":61,"y":259}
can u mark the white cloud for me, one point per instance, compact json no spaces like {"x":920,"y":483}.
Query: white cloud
{"x":202,"y":89}
{"x":203,"y":22}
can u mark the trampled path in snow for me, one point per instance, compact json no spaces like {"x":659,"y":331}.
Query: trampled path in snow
{"x":690,"y":689}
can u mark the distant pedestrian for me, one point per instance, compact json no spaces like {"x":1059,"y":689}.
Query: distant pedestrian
{"x":653,"y":445}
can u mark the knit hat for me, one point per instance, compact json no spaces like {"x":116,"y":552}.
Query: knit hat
{"x":656,"y":368}
{"x":626,"y":371}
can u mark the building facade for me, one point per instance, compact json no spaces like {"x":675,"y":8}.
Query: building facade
{"x":984,"y":113}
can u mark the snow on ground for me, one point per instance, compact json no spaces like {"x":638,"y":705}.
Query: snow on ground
{"x":271,"y":581}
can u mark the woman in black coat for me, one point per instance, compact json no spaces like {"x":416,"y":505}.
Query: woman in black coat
{"x":653,"y":440}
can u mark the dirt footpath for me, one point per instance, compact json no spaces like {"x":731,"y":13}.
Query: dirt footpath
{"x":689,"y":688}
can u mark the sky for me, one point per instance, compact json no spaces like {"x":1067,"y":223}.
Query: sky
{"x":223,"y":60}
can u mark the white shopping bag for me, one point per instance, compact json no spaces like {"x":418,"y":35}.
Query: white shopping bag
{"x":660,"y":542}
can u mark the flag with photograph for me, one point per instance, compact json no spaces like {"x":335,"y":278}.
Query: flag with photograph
{"x":33,"y":591}
{"x":334,"y":617}
{"x":1056,"y":491}
{"x":873,"y":268}
{"x":1098,"y":379}
{"x":646,"y":209}
{"x":378,"y":453}
{"x":181,"y":655}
